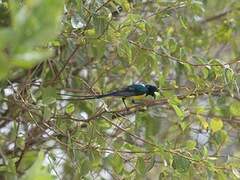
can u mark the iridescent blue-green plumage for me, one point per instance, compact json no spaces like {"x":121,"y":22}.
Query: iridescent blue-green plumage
{"x":134,"y":90}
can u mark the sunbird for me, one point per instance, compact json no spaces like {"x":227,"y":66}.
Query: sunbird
{"x":134,"y":91}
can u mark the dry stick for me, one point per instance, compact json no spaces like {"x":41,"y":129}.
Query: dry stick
{"x":66,"y":63}
{"x":104,"y":4}
{"x":215,"y":17}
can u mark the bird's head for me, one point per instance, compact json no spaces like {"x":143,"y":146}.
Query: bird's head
{"x":151,"y":90}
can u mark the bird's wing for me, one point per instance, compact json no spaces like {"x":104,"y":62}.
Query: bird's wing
{"x":132,"y":90}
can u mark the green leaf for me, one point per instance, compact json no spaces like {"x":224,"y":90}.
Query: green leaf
{"x":10,"y":167}
{"x":190,"y":144}
{"x":37,"y":171}
{"x":20,"y":142}
{"x":47,"y":113}
{"x":178,"y":111}
{"x":70,"y":108}
{"x":229,"y":80}
{"x":125,"y":51}
{"x":28,"y":159}
{"x":236,"y":172}
{"x":216,"y":124}
{"x":181,"y":164}
{"x":204,"y":152}
{"x":140,"y":166}
{"x":183,"y":22}
{"x":118,"y":143}
{"x":220,"y":137}
{"x":171,"y":45}
{"x":235,"y":108}
{"x":100,"y":24}
{"x":202,"y":121}
{"x":49,"y":95}
{"x":116,"y":162}
{"x":173,"y":100}
{"x":85,"y":167}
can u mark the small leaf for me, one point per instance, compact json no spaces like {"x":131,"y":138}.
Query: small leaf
{"x":27,"y":160}
{"x":183,"y":125}
{"x":205,"y":152}
{"x":100,"y":24}
{"x":116,"y":162}
{"x":118,"y":143}
{"x":85,"y":167}
{"x":125,"y":50}
{"x":20,"y":143}
{"x":216,"y":124}
{"x":174,"y":100}
{"x":181,"y":164}
{"x":140,"y":166}
{"x":203,"y":122}
{"x":178,"y":111}
{"x":190,"y":144}
{"x":236,"y":173}
{"x":70,"y":108}
{"x":235,"y":109}
{"x":49,"y":95}
{"x":220,"y":137}
{"x":47,"y":113}
{"x":183,"y":22}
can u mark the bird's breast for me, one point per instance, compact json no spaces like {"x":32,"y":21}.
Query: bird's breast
{"x":137,"y":97}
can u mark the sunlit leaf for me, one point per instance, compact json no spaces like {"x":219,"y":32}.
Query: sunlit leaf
{"x":203,"y":122}
{"x":70,"y":108}
{"x":236,"y":172}
{"x":216,"y":124}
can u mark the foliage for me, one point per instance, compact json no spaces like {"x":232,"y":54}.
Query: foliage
{"x":188,"y":48}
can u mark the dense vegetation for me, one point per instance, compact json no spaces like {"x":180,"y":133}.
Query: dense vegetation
{"x":188,"y":48}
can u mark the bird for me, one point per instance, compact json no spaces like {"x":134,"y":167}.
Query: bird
{"x":134,"y":91}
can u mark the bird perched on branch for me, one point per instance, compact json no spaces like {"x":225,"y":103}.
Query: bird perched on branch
{"x":134,"y":91}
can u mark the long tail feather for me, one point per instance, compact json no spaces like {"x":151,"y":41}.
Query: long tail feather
{"x":79,"y":97}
